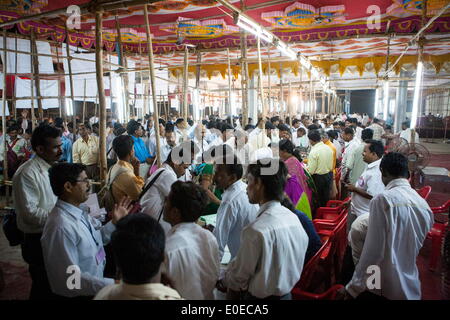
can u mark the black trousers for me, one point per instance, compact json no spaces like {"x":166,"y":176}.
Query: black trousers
{"x":32,"y":254}
{"x":323,"y":186}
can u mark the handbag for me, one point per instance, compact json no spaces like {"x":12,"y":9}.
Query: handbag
{"x":12,"y":232}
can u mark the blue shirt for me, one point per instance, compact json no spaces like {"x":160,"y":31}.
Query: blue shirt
{"x":72,"y":238}
{"x":314,"y":242}
{"x":140,"y":150}
{"x":67,"y":149}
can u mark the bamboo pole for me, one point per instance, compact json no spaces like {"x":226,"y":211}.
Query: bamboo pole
{"x":268,"y":76}
{"x":33,"y":116}
{"x":36,"y":74}
{"x":260,"y":79}
{"x":124,"y":75}
{"x":84,"y":101}
{"x":5,"y":158}
{"x":101,"y":93}
{"x":61,"y":112}
{"x":15,"y":71}
{"x":289,"y":104}
{"x":244,"y":79}
{"x":322,"y":105}
{"x":281,"y":109}
{"x":153,"y":86}
{"x":230,"y":108}
{"x":69,"y":64}
{"x":185,"y":83}
{"x":198,"y":69}
{"x":146,"y":102}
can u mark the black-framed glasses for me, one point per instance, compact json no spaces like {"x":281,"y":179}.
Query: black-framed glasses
{"x":84,"y":180}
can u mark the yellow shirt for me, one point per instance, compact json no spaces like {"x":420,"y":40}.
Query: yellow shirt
{"x":333,"y":148}
{"x":320,"y":159}
{"x":86,"y":153}
{"x":127,"y":183}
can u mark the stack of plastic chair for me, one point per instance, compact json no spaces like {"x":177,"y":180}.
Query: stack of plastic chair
{"x":437,"y":233}
{"x":332,"y":213}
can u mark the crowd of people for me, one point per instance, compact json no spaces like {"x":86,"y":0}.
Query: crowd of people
{"x":263,"y":182}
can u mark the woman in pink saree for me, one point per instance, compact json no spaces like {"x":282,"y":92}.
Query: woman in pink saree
{"x":293,"y":161}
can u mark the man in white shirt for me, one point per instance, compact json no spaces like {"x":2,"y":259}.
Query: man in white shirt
{"x":71,"y":237}
{"x":369,"y":183}
{"x":178,"y":160}
{"x":301,"y":139}
{"x":167,"y":142}
{"x":399,"y":222}
{"x":138,"y":244}
{"x":33,"y":200}
{"x":406,"y":133}
{"x":348,"y":135}
{"x":378,"y":130}
{"x":272,"y":252}
{"x":354,"y":161}
{"x":235,"y":211}
{"x":192,"y":255}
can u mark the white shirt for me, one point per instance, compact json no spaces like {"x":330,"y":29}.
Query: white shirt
{"x":152,"y":202}
{"x":192,"y":261}
{"x":235,"y":212}
{"x":406,"y":134}
{"x":32,"y":195}
{"x":398,"y":225}
{"x":146,"y":291}
{"x":354,"y":143}
{"x":359,"y":131}
{"x":371,"y":182}
{"x":378,"y":131}
{"x":271,"y":256}
{"x":164,"y":147}
{"x":338,"y":147}
{"x":72,"y":237}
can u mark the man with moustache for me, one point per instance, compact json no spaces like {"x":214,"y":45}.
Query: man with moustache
{"x":72,"y":241}
{"x":33,"y":200}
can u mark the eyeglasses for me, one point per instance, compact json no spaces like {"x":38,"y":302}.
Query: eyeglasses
{"x":84,"y":180}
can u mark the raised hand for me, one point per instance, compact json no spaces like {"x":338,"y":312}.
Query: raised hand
{"x":121,"y":209}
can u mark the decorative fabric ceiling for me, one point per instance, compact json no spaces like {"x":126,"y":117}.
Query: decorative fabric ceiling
{"x":205,"y":24}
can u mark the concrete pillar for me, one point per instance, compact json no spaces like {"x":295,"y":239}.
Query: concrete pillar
{"x":401,"y":101}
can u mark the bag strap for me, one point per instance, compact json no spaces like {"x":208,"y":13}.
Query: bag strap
{"x":160,"y":214}
{"x":150,"y":184}
{"x":11,"y":146}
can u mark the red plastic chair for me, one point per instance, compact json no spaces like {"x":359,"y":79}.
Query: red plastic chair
{"x":337,"y":236}
{"x":424,"y":192}
{"x":316,"y":273}
{"x":437,"y":234}
{"x":333,"y":210}
{"x":330,"y":294}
